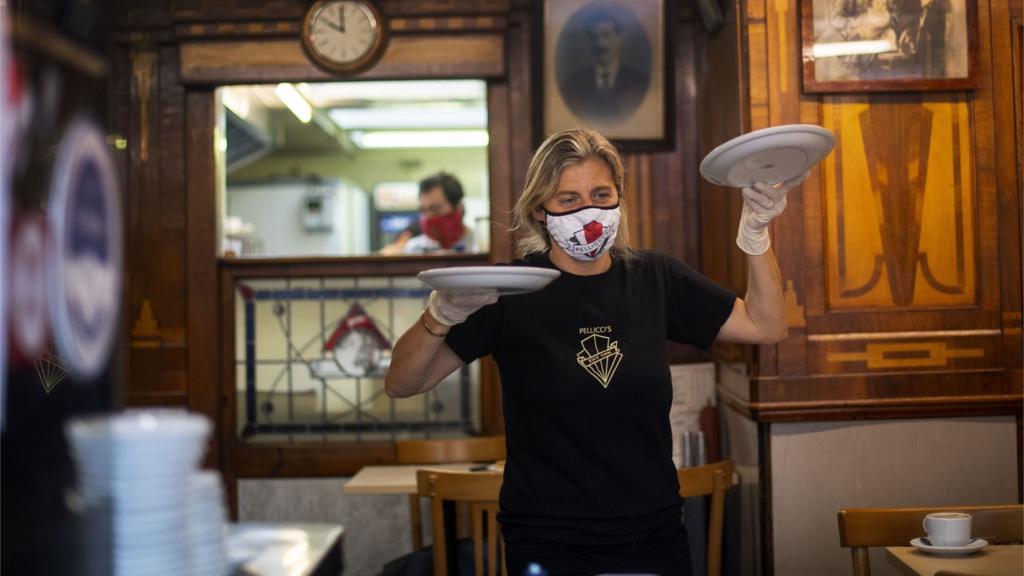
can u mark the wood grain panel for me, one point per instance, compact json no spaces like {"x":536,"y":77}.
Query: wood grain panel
{"x":871,"y":396}
{"x":231,"y":10}
{"x":1008,"y":56}
{"x":899,"y":201}
{"x":296,"y":460}
{"x":725,"y":111}
{"x":499,"y":153}
{"x":461,"y":56}
{"x":202,"y":329}
{"x":520,"y":104}
{"x":857,"y":356}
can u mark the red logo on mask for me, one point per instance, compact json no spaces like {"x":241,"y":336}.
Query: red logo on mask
{"x":593,"y":231}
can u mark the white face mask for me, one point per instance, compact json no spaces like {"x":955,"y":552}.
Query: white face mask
{"x":585,"y":234}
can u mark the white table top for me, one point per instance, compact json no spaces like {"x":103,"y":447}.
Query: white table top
{"x":394,"y":479}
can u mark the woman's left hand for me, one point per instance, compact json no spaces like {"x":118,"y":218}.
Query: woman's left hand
{"x":761,"y":204}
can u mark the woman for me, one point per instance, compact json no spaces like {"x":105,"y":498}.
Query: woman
{"x":589,"y":483}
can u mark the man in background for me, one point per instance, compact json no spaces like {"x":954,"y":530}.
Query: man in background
{"x":441,"y":212}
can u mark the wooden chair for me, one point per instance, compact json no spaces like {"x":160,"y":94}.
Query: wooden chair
{"x":861,"y":528}
{"x":480,"y":491}
{"x":714,"y":480}
{"x":446,"y":451}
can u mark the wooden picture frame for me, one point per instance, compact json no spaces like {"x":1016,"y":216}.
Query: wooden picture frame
{"x":608,"y":66}
{"x":883,"y":46}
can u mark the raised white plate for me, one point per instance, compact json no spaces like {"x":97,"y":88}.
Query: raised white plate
{"x":771,"y":155}
{"x":972,"y":546}
{"x":505,"y":279}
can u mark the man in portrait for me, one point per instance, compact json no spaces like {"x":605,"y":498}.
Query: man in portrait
{"x":604,"y":85}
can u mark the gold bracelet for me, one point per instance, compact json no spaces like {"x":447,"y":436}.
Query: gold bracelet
{"x":428,"y":329}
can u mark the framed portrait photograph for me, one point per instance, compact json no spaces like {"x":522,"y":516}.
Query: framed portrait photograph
{"x":604,"y":66}
{"x":888,"y":45}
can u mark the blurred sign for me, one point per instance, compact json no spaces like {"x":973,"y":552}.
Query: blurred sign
{"x":85,"y":217}
{"x":391,"y":196}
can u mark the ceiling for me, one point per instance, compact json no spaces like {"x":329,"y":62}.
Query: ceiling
{"x":348,"y":116}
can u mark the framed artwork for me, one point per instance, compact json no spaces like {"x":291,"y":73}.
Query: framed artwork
{"x":888,"y":45}
{"x":605,"y":65}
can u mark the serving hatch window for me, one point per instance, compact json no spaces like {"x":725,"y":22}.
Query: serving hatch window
{"x":334,"y":169}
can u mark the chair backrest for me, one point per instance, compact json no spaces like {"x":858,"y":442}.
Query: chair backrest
{"x":861,"y":528}
{"x":714,"y":480}
{"x":480,"y":491}
{"x":445,"y":451}
{"x":473,"y":449}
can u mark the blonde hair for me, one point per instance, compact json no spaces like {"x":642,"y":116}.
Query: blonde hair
{"x":560,"y":151}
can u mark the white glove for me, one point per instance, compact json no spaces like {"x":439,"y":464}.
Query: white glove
{"x":761,"y":204}
{"x":451,"y":307}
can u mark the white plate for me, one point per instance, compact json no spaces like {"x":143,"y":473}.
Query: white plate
{"x":972,"y":546}
{"x":505,"y":279}
{"x":771,"y":155}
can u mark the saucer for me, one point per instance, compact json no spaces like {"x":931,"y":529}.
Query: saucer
{"x":770,"y":155}
{"x":505,"y":279}
{"x":971,"y":547}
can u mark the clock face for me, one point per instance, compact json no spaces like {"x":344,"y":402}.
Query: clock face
{"x":342,"y":33}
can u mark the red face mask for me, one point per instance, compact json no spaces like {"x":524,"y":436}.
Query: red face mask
{"x":446,"y":230}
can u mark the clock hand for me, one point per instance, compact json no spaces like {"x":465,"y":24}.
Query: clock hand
{"x":338,"y":27}
{"x":341,"y":18}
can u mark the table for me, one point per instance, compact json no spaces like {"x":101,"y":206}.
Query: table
{"x":279,"y":549}
{"x":991,"y":561}
{"x":398,"y":479}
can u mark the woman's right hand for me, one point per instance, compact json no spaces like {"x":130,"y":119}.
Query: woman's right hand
{"x":451,"y":307}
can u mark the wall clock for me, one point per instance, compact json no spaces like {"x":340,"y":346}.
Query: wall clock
{"x":344,"y":36}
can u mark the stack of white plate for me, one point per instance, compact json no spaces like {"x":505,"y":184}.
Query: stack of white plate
{"x":207,"y":524}
{"x":142,"y":461}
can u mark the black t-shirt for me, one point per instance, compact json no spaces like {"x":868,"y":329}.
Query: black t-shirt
{"x":586,"y":392}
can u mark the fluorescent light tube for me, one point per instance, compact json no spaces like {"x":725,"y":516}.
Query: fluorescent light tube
{"x":420,"y":138}
{"x":295,"y":102}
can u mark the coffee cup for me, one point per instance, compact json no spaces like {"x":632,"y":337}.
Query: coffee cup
{"x":950,"y":529}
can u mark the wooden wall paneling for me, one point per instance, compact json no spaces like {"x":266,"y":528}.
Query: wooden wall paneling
{"x":902,"y":213}
{"x":964,"y":351}
{"x":903,"y":320}
{"x":723,"y":103}
{"x":308,"y":461}
{"x":764,"y":470}
{"x":890,"y":395}
{"x":786,"y":106}
{"x":202,"y":330}
{"x":644,"y":208}
{"x":133,"y":14}
{"x":145,"y":375}
{"x":355,"y":266}
{"x":675,"y":182}
{"x":1006,"y":64}
{"x":680,"y":190}
{"x":502,"y":197}
{"x":520,"y":104}
{"x":633,"y":199}
{"x":986,"y":169}
{"x":723,"y":118}
{"x":169,"y":154}
{"x":233,"y":10}
{"x":408,"y":56}
{"x":227,"y":419}
{"x":502,"y":244}
{"x":757,"y":55}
